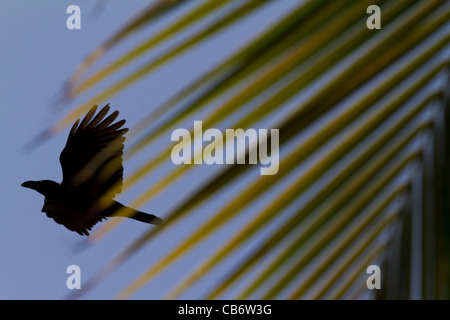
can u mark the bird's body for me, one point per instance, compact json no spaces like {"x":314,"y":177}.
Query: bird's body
{"x":92,"y":174}
{"x":73,"y":218}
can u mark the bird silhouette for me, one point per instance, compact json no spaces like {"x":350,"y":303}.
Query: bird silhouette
{"x":92,"y":171}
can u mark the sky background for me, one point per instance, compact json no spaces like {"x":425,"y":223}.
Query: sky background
{"x":37,"y":54}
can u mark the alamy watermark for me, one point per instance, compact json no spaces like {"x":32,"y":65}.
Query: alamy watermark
{"x":374,"y":20}
{"x":374,"y":280}
{"x":229,"y":147}
{"x":73,"y":22}
{"x":74,"y":280}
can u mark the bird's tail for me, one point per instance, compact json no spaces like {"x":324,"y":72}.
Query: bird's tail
{"x":147,"y":218}
{"x":136,"y":215}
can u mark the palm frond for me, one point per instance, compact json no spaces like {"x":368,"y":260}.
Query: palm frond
{"x":355,"y":108}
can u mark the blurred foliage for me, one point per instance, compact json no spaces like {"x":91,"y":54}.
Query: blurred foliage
{"x":362,"y":147}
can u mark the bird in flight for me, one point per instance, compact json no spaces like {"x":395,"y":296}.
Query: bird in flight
{"x":92,"y":171}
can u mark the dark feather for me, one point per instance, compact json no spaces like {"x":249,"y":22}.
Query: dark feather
{"x":89,"y":141}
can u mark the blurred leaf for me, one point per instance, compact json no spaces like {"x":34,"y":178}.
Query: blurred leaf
{"x":294,"y":190}
{"x":153,"y":11}
{"x":344,"y":100}
{"x":292,"y":126}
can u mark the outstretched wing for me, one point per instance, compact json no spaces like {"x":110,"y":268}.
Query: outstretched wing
{"x":91,"y":161}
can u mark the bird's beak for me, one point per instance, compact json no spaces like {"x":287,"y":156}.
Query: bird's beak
{"x":28,"y":184}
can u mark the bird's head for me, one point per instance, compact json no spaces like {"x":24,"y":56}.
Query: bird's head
{"x":44,"y":187}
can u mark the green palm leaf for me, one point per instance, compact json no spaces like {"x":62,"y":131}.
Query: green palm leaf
{"x":357,"y":134}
